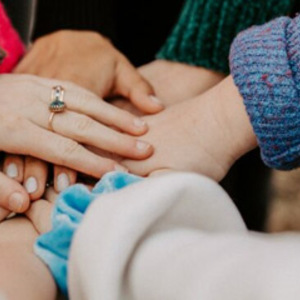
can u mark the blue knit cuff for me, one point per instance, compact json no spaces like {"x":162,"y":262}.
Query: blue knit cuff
{"x":265,"y":65}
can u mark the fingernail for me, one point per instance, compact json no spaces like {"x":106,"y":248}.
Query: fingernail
{"x":142,"y":146}
{"x":62,"y":182}
{"x":12,"y":171}
{"x":121,"y":169}
{"x":139,"y":123}
{"x":31,"y":185}
{"x":16,"y":202}
{"x":156,"y":100}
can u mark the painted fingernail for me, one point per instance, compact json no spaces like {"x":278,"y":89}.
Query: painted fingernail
{"x":31,"y":185}
{"x":139,"y":123}
{"x":62,"y":182}
{"x":120,"y":168}
{"x":156,"y":100}
{"x":16,"y":202}
{"x":142,"y":146}
{"x":12,"y":170}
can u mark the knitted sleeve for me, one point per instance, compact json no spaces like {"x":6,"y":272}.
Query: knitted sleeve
{"x":265,"y":65}
{"x":11,"y":47}
{"x":206,"y":29}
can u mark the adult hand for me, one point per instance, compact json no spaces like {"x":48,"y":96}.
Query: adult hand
{"x":90,"y":60}
{"x":13,"y":197}
{"x":40,"y":211}
{"x":24,"y":128}
{"x":206,"y":134}
{"x":174,"y":82}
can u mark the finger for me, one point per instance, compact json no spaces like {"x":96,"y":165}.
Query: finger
{"x":13,"y":167}
{"x":82,"y":101}
{"x":46,"y":145}
{"x":87,"y":131}
{"x":39,"y":214}
{"x":51,"y":195}
{"x":63,"y":178}
{"x":141,"y":168}
{"x":35,"y":177}
{"x":90,"y":105}
{"x":13,"y":196}
{"x":130,"y":84}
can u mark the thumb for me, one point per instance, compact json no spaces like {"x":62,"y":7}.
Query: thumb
{"x":130,"y":84}
{"x":13,"y":196}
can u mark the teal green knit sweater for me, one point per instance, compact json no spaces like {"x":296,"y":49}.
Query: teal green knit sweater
{"x":206,"y":28}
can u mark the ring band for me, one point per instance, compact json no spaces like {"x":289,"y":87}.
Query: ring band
{"x":57,"y":104}
{"x":50,"y":121}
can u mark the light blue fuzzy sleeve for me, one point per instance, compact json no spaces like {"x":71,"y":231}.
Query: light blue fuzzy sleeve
{"x":54,"y":247}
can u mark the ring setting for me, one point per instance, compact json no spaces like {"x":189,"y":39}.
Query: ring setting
{"x":57,"y":104}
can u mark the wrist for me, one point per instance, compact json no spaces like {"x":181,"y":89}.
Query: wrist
{"x":232,"y":113}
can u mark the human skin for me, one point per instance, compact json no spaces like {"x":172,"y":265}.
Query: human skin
{"x":172,"y":81}
{"x":206,"y":134}
{"x":24,"y":130}
{"x":91,"y":61}
{"x":23,"y":275}
{"x":175,"y":82}
{"x":107,"y":73}
{"x":20,"y":267}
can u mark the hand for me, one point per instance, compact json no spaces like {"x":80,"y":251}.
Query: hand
{"x":40,"y":211}
{"x":23,"y":130}
{"x":13,"y":197}
{"x":174,"y":82}
{"x":33,"y":174}
{"x":90,"y":60}
{"x":206,"y":134}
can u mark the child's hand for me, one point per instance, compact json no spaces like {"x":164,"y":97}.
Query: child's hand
{"x":204,"y":135}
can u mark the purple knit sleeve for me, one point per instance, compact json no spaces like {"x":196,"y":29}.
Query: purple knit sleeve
{"x":265,"y":65}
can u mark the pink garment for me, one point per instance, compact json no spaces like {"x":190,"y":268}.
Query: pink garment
{"x":10,"y":43}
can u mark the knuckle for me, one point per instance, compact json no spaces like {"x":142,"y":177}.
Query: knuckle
{"x":12,"y":122}
{"x":83,"y":124}
{"x":82,"y":99}
{"x":67,"y":149}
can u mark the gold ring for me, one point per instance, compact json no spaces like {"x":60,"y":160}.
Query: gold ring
{"x":57,"y":104}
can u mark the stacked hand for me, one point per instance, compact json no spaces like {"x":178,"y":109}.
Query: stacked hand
{"x":88,"y":59}
{"x":206,"y":134}
{"x":196,"y":135}
{"x":24,"y":130}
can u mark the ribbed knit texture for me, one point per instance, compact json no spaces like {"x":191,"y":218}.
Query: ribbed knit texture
{"x":265,"y":64}
{"x":206,"y":28}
